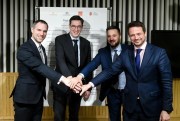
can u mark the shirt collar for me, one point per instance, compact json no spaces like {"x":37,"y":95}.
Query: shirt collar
{"x":72,"y":38}
{"x":118,"y":48}
{"x":36,"y":43}
{"x":142,"y":47}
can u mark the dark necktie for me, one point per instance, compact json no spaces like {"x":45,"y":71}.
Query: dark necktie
{"x":115,"y":55}
{"x":76,"y":50}
{"x":41,"y":53}
{"x":116,"y":85}
{"x":137,"y":59}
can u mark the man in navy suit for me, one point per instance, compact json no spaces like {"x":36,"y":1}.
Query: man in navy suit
{"x":29,"y":90}
{"x":148,"y":90}
{"x":113,"y":88}
{"x":73,"y":53}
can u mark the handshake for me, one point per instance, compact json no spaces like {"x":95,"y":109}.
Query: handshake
{"x":75,"y":83}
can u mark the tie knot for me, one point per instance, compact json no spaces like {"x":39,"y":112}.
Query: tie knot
{"x":138,"y":51}
{"x":115,"y":55}
{"x":75,"y":41}
{"x":40,"y":47}
{"x":115,"y":51}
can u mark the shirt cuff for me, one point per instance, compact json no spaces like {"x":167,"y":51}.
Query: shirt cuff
{"x":92,"y":85}
{"x":60,"y":80}
{"x":81,"y":75}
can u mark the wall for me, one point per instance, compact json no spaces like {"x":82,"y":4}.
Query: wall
{"x":18,"y":15}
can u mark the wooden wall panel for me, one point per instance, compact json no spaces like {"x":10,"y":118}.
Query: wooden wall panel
{"x":176,"y":98}
{"x":1,"y":93}
{"x":7,"y":82}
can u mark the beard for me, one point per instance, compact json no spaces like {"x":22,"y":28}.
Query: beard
{"x":114,"y":45}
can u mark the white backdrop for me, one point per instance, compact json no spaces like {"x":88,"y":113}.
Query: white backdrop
{"x":94,"y":29}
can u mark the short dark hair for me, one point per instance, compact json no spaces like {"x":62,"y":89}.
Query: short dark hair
{"x":113,"y":27}
{"x":136,"y":24}
{"x":76,"y":17}
{"x":39,"y":21}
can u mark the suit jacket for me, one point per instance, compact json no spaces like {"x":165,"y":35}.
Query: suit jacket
{"x":104,"y":59}
{"x":30,"y":84}
{"x":65,"y":56}
{"x":153,"y":84}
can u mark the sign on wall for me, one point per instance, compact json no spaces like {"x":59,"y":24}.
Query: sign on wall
{"x":94,"y":29}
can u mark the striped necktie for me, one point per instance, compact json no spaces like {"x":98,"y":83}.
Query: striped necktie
{"x":41,"y":53}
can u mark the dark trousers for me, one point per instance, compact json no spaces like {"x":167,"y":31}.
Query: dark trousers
{"x":28,"y":112}
{"x":138,"y":114}
{"x":114,"y":100}
{"x":59,"y":106}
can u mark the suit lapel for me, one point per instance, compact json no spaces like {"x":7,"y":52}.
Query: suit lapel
{"x":45,"y":56}
{"x":81,"y":50}
{"x":147,"y":55}
{"x":107,"y":55}
{"x":34,"y":48}
{"x":132,"y":61}
{"x":70,"y":49}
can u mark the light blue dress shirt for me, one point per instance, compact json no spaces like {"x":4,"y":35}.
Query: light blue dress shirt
{"x":122,"y":78}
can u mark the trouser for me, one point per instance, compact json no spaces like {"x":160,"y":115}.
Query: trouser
{"x":114,"y":100}
{"x":60,"y":103}
{"x":28,"y":112}
{"x":138,"y":114}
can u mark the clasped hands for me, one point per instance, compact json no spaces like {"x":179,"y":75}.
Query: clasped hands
{"x":75,"y":83}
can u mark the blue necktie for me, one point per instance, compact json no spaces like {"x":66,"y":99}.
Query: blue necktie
{"x":137,"y":59}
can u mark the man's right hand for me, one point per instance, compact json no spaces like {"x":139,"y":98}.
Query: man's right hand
{"x":66,"y":81}
{"x":85,"y":88}
{"x":76,"y":80}
{"x":77,"y":88}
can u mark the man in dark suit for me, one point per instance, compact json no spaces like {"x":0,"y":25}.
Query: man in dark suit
{"x":29,"y":90}
{"x":113,"y":88}
{"x":72,"y":52}
{"x":148,"y":90}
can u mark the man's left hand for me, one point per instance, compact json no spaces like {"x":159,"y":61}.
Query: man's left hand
{"x":164,"y":116}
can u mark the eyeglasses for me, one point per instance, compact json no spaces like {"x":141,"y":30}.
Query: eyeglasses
{"x":74,"y":27}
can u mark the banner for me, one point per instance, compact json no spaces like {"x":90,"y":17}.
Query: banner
{"x":94,"y":30}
